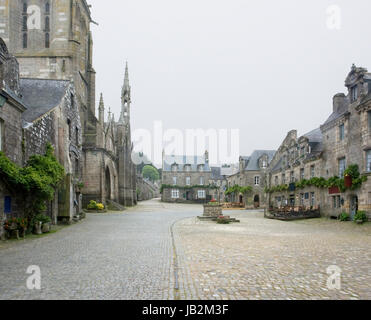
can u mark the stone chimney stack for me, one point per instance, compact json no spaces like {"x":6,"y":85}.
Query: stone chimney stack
{"x":339,"y":101}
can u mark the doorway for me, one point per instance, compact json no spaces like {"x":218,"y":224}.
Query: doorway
{"x":353,"y":206}
{"x":108,"y":184}
{"x":257,"y":201}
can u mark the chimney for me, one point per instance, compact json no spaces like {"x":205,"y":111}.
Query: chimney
{"x":339,"y":100}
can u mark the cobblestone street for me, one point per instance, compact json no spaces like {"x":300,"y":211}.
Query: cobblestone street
{"x":130,"y":255}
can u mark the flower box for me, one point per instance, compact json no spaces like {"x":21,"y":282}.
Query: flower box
{"x":334,"y":190}
{"x":348,"y":181}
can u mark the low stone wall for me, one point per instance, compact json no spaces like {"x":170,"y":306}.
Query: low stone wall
{"x":288,"y":216}
{"x":213,"y":211}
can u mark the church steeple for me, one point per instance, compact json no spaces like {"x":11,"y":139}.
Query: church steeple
{"x":125,"y":98}
{"x":101,"y":109}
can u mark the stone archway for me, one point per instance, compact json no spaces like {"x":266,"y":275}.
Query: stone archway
{"x":108,"y":183}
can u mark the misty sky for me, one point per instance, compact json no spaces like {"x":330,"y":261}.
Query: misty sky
{"x":265,"y":67}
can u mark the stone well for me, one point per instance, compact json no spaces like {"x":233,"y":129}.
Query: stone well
{"x":213,"y":211}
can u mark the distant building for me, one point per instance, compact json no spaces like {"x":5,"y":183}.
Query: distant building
{"x":187,"y":179}
{"x":252,"y":172}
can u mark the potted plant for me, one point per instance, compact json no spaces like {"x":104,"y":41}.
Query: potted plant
{"x":42,"y":224}
{"x":22,"y":226}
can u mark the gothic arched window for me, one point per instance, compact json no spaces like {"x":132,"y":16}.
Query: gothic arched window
{"x":24,"y":24}
{"x":25,"y":41}
{"x":47,"y":40}
{"x":24,"y":7}
{"x":47,"y":8}
{"x":47,"y":24}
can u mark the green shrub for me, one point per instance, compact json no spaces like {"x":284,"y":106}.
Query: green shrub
{"x":42,"y":218}
{"x":360,"y":216}
{"x":222,"y":221}
{"x":344,"y":217}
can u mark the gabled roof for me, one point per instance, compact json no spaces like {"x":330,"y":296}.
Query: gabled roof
{"x":253,"y":163}
{"x":41,"y":96}
{"x":193,"y":161}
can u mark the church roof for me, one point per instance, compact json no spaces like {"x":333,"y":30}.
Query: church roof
{"x":41,"y":96}
{"x":193,"y":161}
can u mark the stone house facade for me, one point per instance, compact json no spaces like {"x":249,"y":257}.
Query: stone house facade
{"x":220,"y":181}
{"x":252,"y":172}
{"x":52,"y":116}
{"x":186,"y":179}
{"x":295,"y":160}
{"x":343,"y":140}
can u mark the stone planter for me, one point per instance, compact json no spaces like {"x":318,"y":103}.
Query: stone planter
{"x":213,"y":210}
{"x":359,"y":221}
{"x":46,"y":228}
{"x":38,"y":228}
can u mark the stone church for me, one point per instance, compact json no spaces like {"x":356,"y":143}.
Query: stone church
{"x":52,"y":41}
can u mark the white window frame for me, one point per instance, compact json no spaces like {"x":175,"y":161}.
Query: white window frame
{"x":175,"y":181}
{"x":312,"y":199}
{"x":342,"y":132}
{"x":312,"y":171}
{"x":188,"y":181}
{"x":368,"y":160}
{"x":202,"y":181}
{"x":257,"y":180}
{"x":342,"y":168}
{"x":175,"y":194}
{"x":201,"y":194}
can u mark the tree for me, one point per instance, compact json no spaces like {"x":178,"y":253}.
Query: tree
{"x":151,"y":173}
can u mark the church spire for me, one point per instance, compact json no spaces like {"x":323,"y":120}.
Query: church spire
{"x":125,"y":98}
{"x":101,"y":109}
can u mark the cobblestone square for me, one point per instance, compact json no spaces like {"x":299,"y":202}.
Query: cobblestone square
{"x":145,"y":252}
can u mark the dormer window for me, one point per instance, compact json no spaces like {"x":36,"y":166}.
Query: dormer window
{"x":354,"y":93}
{"x":187,"y":168}
{"x":201,"y":168}
{"x":174,"y":168}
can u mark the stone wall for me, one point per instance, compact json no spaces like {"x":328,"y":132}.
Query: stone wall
{"x":146,"y":190}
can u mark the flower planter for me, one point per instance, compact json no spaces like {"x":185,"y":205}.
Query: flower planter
{"x":38,"y":228}
{"x":333,"y":190}
{"x":46,"y":228}
{"x":348,"y":181}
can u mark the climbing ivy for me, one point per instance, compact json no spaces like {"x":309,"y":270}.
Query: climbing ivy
{"x":36,"y":181}
{"x":352,"y":171}
{"x":238,"y":189}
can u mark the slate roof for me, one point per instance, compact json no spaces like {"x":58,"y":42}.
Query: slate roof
{"x":193,"y":161}
{"x":41,"y":96}
{"x":253,"y":163}
{"x":216,"y":173}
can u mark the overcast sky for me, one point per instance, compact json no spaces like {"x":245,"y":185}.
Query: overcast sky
{"x":265,"y":67}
